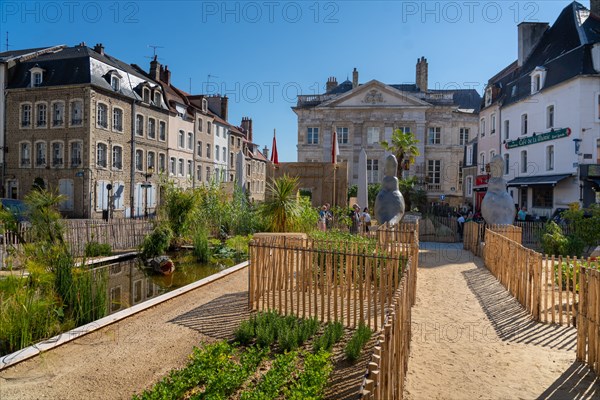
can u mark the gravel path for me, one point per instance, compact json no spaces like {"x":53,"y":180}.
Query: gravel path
{"x":472,"y":340}
{"x":129,"y":356}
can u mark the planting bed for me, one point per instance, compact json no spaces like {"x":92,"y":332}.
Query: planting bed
{"x":272,"y":357}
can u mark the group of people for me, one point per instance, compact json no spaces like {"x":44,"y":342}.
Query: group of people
{"x":361,"y":220}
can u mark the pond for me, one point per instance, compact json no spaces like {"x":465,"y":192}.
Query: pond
{"x":130,"y":282}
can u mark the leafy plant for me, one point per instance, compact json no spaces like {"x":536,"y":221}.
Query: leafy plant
{"x":331,"y":335}
{"x":282,"y":208}
{"x":312,"y":381}
{"x":201,"y":246}
{"x":553,"y":240}
{"x":95,"y":249}
{"x":356,"y":343}
{"x":272,"y":383}
{"x":404,"y":147}
{"x":157,"y":242}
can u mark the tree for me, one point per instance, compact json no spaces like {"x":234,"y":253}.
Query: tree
{"x":282,"y":208}
{"x":404,"y":147}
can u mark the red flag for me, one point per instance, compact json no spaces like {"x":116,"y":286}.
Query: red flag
{"x":274,"y":156}
{"x":335,"y":150}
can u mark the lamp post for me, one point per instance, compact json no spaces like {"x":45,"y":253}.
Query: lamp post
{"x":147,"y":185}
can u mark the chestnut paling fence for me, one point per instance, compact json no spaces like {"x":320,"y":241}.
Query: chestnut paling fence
{"x":373,"y":284}
{"x":120,"y":234}
{"x":553,"y":289}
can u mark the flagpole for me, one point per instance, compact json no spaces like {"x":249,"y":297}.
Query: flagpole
{"x":334,"y":159}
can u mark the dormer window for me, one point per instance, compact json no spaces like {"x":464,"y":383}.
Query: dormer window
{"x":115,"y":83}
{"x":37,"y":76}
{"x":537,"y":79}
{"x":146,"y":95}
{"x":157,"y":98}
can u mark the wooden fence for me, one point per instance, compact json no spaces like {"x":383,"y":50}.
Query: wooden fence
{"x":588,"y":318}
{"x":339,"y":281}
{"x":121,"y":234}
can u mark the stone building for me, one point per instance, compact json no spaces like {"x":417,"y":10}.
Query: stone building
{"x":82,"y":123}
{"x":365,"y":114}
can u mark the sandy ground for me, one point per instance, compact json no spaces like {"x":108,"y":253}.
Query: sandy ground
{"x":472,"y":340}
{"x":129,"y":356}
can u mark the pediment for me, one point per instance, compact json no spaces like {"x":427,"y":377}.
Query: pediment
{"x":375,"y":94}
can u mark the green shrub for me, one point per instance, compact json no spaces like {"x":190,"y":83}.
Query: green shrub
{"x":156,"y":243}
{"x":312,"y":381}
{"x":278,"y":377}
{"x":360,"y":337}
{"x":95,"y":249}
{"x":245,"y":332}
{"x":331,"y":335}
{"x":553,"y":240}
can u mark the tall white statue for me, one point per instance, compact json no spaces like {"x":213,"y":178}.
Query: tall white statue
{"x":389,"y":203}
{"x":497,"y":206}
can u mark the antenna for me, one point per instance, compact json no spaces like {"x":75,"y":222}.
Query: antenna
{"x":208,"y":81}
{"x":6,"y":40}
{"x":154,"y":51}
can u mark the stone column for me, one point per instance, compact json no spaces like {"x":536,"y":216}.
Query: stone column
{"x":363,"y":190}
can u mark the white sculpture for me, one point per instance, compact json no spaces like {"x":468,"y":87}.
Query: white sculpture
{"x":497,"y":206}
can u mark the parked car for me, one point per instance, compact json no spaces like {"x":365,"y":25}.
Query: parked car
{"x":18,"y":208}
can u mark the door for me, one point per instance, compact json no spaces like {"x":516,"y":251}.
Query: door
{"x":65,"y":188}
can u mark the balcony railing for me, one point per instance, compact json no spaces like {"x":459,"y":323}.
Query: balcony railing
{"x":57,"y":162}
{"x":434,"y":187}
{"x":41,"y":122}
{"x":76,"y":121}
{"x":40,"y":162}
{"x":57,"y":122}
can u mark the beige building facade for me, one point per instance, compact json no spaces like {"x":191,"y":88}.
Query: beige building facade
{"x":363,"y":115}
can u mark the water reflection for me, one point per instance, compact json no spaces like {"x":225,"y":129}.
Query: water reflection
{"x":130,"y":283}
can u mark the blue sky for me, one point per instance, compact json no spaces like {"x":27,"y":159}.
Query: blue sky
{"x":263,"y":53}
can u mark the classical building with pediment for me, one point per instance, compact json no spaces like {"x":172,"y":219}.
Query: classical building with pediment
{"x":365,"y":114}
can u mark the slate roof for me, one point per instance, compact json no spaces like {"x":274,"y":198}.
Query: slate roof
{"x":461,"y":98}
{"x":74,"y":66}
{"x":564,"y":51}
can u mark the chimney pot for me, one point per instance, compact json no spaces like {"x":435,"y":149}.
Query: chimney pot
{"x":422,"y":74}
{"x":156,"y":70}
{"x":99,"y":48}
{"x":266,"y":152}
{"x":354,"y":78}
{"x":331,"y":83}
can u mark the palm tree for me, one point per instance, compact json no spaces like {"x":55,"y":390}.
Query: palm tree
{"x":404,"y":147}
{"x":281,"y":209}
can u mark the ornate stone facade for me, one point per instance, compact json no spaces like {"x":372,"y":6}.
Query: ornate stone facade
{"x":364,"y":115}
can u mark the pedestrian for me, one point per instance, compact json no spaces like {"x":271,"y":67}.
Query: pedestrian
{"x":328,"y":216}
{"x":355,"y":218}
{"x":460,"y":221}
{"x":522,"y":214}
{"x":366,"y":219}
{"x":323,"y":218}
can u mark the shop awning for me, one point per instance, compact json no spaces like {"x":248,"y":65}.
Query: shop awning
{"x":538,"y":180}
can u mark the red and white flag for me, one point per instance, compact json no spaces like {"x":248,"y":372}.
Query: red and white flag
{"x":335,"y":148}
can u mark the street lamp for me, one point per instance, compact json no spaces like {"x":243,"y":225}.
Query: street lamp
{"x":147,"y":185}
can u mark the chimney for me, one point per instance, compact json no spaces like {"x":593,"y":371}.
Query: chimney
{"x":165,"y":75}
{"x":99,"y":48}
{"x":247,"y":126}
{"x":530,"y":34}
{"x":354,"y":78}
{"x":595,"y":7}
{"x":155,"y":69}
{"x":331,"y":84}
{"x":422,"y":77}
{"x":266,"y":152}
{"x":224,"y":101}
